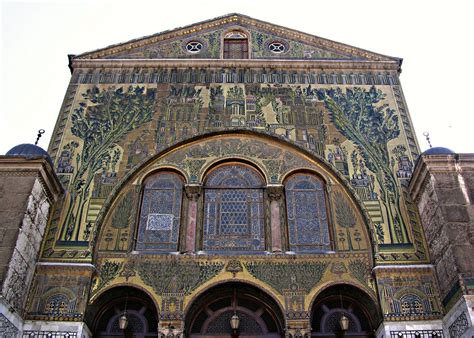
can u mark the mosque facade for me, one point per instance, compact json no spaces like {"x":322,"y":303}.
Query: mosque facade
{"x":235,"y":178}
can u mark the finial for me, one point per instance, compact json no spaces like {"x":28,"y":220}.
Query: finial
{"x":40,"y":133}
{"x":427,"y":135}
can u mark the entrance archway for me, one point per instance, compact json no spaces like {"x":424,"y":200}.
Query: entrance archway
{"x":103,"y":315}
{"x":211,"y":313}
{"x":363,"y":313}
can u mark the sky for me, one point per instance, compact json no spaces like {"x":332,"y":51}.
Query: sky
{"x":435,"y":39}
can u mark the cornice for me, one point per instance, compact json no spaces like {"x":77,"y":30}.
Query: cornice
{"x":40,"y":167}
{"x":227,"y":63}
{"x":442,"y":164}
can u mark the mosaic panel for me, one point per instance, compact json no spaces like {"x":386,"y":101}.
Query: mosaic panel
{"x":408,"y":294}
{"x":233,"y":210}
{"x":307,"y":216}
{"x":160,"y":214}
{"x":206,"y":45}
{"x":58,"y":295}
{"x":176,"y":277}
{"x":323,"y":118}
{"x":281,"y":275}
{"x":263,"y":48}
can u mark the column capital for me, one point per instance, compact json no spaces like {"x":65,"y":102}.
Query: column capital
{"x":193,"y":191}
{"x":274,"y":191}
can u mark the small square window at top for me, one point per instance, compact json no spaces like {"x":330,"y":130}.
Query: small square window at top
{"x":236,"y":49}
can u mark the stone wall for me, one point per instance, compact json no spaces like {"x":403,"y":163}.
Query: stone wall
{"x":14,"y":197}
{"x":28,"y":188}
{"x":442,"y":187}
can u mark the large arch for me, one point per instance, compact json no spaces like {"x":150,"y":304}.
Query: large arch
{"x":210,"y":313}
{"x":103,"y":314}
{"x":345,"y":299}
{"x":314,"y":163}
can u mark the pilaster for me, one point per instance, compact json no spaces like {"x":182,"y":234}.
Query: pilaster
{"x":275,"y":195}
{"x":193,"y":192}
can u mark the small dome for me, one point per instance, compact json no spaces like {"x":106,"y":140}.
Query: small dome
{"x":30,"y":151}
{"x":438,"y":151}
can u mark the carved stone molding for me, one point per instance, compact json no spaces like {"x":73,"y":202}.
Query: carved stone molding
{"x":274,"y":192}
{"x":193,"y":191}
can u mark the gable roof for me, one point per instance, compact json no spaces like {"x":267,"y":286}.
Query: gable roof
{"x":171,"y":44}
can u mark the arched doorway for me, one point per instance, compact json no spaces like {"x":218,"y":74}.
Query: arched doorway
{"x":358,"y":307}
{"x":103,"y":315}
{"x":210,"y":315}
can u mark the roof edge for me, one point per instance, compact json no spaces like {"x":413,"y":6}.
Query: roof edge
{"x":119,"y":47}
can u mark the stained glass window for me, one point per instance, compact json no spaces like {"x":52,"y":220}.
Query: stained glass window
{"x":233,"y":210}
{"x":160,"y":213}
{"x":306,"y":213}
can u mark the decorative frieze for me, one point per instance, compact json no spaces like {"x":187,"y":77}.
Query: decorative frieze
{"x":177,"y":75}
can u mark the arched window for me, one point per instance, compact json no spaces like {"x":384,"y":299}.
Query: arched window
{"x":233,"y":209}
{"x":306,"y":214}
{"x":160,"y":213}
{"x":236,"y":45}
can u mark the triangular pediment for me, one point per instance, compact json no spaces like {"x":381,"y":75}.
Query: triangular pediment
{"x":266,"y":41}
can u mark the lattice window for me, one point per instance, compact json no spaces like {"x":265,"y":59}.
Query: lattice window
{"x":160,"y":213}
{"x":459,"y":326}
{"x":411,"y":304}
{"x":233,"y":209}
{"x":417,"y":334}
{"x":330,"y":323}
{"x":136,"y":324}
{"x":307,"y":214}
{"x":248,"y":324}
{"x":48,"y":334}
{"x":236,"y":45}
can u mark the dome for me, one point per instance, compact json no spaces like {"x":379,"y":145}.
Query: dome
{"x":30,"y":151}
{"x":438,"y":151}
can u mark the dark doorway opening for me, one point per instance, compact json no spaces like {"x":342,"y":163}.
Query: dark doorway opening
{"x":358,"y":307}
{"x":211,"y":314}
{"x":103,"y":315}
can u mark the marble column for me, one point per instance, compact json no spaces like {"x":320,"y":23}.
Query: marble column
{"x":193,"y":191}
{"x":275,"y":194}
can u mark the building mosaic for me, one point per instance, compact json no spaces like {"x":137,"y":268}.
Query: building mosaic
{"x":407,"y":293}
{"x":376,"y":174}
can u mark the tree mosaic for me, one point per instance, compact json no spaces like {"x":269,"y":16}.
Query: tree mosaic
{"x":107,"y":272}
{"x":117,"y":233}
{"x":102,"y":120}
{"x":354,"y":128}
{"x":363,"y":117}
{"x":345,"y":219}
{"x":167,"y":276}
{"x":281,"y":275}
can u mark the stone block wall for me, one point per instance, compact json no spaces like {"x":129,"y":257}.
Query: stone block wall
{"x":442,"y":187}
{"x":28,"y":188}
{"x":14,"y":198}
